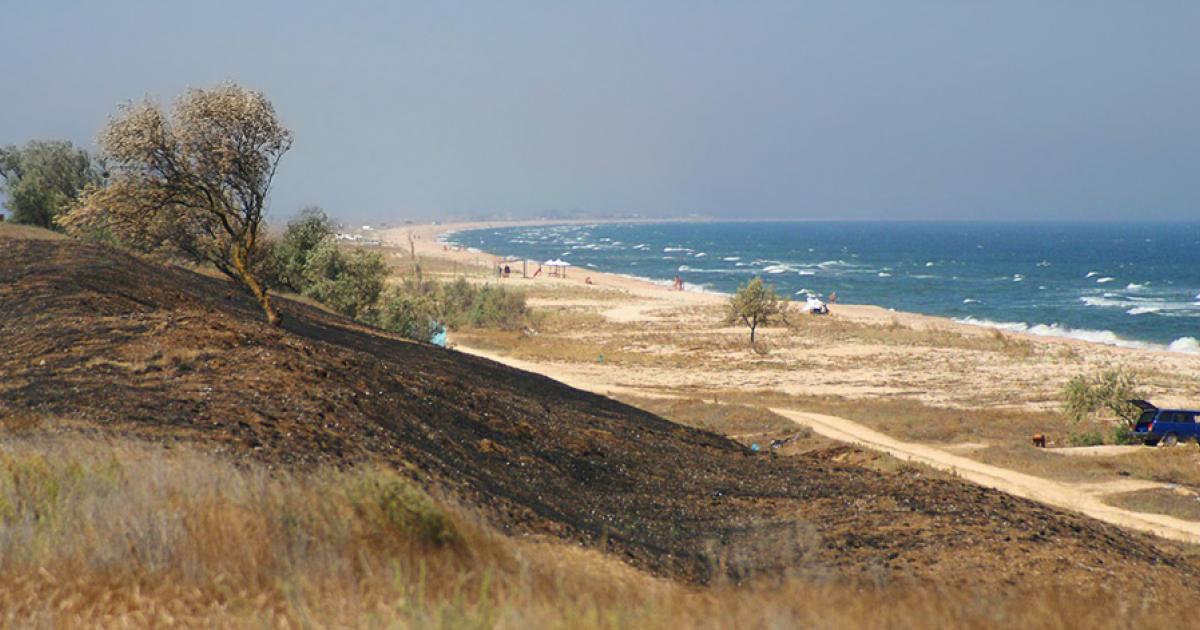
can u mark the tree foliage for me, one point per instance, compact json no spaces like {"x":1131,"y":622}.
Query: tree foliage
{"x":349,"y":282}
{"x":193,"y":182}
{"x":754,"y":305}
{"x":407,"y":313}
{"x":1108,"y":391}
{"x":303,"y":236}
{"x":43,"y":178}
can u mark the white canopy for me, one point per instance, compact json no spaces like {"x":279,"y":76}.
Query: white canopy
{"x":554,"y":262}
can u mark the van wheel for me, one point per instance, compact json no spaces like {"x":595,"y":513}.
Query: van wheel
{"x":1170,"y":439}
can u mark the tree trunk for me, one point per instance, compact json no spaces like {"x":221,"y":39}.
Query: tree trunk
{"x":752,"y":334}
{"x":257,"y":290}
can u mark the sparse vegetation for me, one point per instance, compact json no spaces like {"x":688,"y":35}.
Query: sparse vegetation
{"x":755,"y":304}
{"x":1107,"y":392}
{"x":94,"y":535}
{"x":1178,"y":502}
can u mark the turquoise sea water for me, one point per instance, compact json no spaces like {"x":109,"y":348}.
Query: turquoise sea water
{"x":1133,"y":284}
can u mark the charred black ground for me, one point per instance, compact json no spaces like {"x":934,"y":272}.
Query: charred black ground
{"x":95,"y":340}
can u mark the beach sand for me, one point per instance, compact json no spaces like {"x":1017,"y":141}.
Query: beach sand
{"x":860,"y":351}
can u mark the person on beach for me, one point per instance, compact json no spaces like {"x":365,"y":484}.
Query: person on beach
{"x":678,"y":283}
{"x":588,"y":280}
{"x":833,"y":297}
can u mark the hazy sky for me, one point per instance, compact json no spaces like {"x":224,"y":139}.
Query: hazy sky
{"x":889,"y":109}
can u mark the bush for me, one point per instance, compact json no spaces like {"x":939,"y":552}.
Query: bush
{"x":1110,"y":391}
{"x":406,"y":313}
{"x":291,"y":254}
{"x":348,"y":282}
{"x":391,"y":505}
{"x":495,"y":307}
{"x":461,"y":304}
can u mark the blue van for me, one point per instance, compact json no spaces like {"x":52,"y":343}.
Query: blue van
{"x":1165,"y":426}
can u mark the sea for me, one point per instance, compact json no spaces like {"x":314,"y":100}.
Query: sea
{"x":1124,"y":284}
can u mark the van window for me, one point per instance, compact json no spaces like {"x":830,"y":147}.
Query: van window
{"x":1146,"y":418}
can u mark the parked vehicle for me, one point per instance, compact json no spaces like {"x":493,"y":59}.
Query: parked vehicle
{"x":1165,"y":426}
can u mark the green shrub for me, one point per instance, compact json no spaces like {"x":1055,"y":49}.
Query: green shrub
{"x":407,"y":313}
{"x":349,"y":282}
{"x":289,"y":256}
{"x":461,"y":304}
{"x":496,"y":307}
{"x":1110,"y":391}
{"x":396,"y":507}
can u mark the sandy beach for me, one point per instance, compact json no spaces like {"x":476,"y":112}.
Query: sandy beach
{"x":931,"y":359}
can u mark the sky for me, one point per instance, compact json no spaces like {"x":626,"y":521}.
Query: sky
{"x":920,"y":109}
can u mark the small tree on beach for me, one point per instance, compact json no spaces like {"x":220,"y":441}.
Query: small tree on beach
{"x":1110,"y":391}
{"x":192,"y":183}
{"x":755,"y":304}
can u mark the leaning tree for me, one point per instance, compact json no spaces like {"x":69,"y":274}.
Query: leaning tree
{"x":191,"y":183}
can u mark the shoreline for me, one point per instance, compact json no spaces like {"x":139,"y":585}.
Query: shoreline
{"x":430,"y":237}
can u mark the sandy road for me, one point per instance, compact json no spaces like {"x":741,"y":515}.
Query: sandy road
{"x":1039,"y":489}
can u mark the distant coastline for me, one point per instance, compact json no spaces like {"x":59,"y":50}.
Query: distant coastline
{"x":1032,"y":327}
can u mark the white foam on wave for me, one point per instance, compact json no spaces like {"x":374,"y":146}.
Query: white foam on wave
{"x":1143,"y":310}
{"x":1104,"y":302}
{"x":1092,"y":274}
{"x":1187,"y":345}
{"x":1107,"y":337}
{"x":677,"y":249}
{"x":884,"y":274}
{"x":732,"y":258}
{"x":777,"y":268}
{"x":701,"y":255}
{"x":970,"y":301}
{"x":806,"y":272}
{"x":1018,"y":277}
{"x":1104,"y":280}
{"x":1132,"y":286}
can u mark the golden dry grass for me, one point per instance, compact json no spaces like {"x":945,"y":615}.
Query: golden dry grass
{"x":122,"y":533}
{"x":1178,"y":502}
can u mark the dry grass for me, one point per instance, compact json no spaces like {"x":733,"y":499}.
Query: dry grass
{"x":1179,"y":465}
{"x":16,"y":230}
{"x":111,"y":534}
{"x":837,"y":330}
{"x":1177,"y":502}
{"x":744,"y":423}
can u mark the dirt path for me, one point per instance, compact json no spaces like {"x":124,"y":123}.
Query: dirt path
{"x":1046,"y":491}
{"x":1082,"y":498}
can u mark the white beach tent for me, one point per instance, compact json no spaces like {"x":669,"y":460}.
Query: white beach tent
{"x":557,"y":267}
